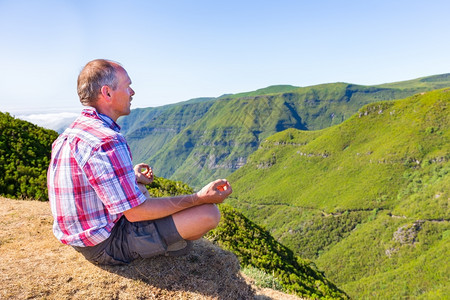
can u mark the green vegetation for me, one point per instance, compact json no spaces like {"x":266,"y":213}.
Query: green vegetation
{"x":161,"y":128}
{"x":259,"y":253}
{"x":262,"y":279}
{"x":202,"y":139}
{"x":392,"y":258}
{"x":161,"y":187}
{"x":437,"y":81}
{"x":367,"y":199}
{"x":274,"y":89}
{"x":256,"y":248}
{"x":24,"y":158}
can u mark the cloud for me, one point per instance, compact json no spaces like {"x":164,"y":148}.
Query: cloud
{"x":55,"y":121}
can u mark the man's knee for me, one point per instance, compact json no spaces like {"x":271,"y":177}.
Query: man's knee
{"x":194,"y":222}
{"x":210,"y":215}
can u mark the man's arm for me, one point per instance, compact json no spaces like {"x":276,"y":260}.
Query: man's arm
{"x":155,"y":208}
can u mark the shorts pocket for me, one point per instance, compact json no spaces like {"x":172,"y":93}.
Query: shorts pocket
{"x":145,"y":241}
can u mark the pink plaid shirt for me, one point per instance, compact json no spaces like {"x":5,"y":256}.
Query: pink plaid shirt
{"x":91,"y":180}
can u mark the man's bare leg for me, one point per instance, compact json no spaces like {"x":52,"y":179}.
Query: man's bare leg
{"x":194,"y":222}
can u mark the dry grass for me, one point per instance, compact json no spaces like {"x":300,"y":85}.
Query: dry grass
{"x":33,"y":264}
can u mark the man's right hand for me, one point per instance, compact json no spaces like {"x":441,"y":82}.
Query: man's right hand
{"x":144,"y":174}
{"x":215,"y":192}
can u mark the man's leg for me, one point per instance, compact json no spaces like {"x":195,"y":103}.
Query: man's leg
{"x":194,"y":222}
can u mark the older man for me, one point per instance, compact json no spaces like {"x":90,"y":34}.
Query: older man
{"x":97,"y":198}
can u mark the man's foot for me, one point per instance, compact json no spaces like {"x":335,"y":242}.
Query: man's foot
{"x":180,"y":248}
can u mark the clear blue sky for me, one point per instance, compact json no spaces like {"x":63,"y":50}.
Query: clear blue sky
{"x":178,"y":50}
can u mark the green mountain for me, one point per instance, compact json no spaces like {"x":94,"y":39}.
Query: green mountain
{"x":206,"y":138}
{"x":367,"y":200}
{"x":162,"y":126}
{"x":24,"y":158}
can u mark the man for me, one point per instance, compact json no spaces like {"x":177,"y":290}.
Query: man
{"x":98,"y":200}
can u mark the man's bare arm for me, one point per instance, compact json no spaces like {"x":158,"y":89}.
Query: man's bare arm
{"x":155,"y":208}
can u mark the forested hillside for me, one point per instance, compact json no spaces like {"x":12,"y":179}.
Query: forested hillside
{"x":24,"y":158}
{"x":162,"y":125}
{"x":367,"y":200}
{"x":255,"y":247}
{"x":202,"y":139}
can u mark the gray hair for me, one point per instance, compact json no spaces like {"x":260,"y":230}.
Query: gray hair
{"x":93,"y":76}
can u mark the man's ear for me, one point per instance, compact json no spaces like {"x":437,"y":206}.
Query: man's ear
{"x":106,"y":92}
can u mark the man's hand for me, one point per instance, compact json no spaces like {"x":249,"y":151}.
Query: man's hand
{"x":215,"y":192}
{"x":144,"y":174}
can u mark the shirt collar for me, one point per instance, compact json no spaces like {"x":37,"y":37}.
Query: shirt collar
{"x":93,"y":113}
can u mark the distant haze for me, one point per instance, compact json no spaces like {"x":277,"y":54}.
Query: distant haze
{"x":55,"y":121}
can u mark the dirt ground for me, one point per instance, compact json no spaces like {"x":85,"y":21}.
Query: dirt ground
{"x":35,"y":265}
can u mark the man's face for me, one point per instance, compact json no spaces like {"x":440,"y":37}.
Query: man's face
{"x":121,"y":97}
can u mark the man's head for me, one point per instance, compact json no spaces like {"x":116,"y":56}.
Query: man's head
{"x":95,"y":74}
{"x":105,"y":85}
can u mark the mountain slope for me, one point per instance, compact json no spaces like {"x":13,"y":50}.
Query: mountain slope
{"x":436,"y":81}
{"x":160,"y":126}
{"x":24,"y":158}
{"x":219,"y":137}
{"x":255,"y":247}
{"x":366,"y":199}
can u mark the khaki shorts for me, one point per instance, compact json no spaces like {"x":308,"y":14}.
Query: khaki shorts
{"x":131,"y":240}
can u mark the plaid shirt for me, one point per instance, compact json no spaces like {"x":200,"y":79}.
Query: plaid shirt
{"x":91,"y":180}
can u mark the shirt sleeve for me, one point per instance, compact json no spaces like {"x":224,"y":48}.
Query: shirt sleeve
{"x":110,"y":172}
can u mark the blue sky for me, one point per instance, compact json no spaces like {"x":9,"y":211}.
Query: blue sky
{"x":178,"y":50}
